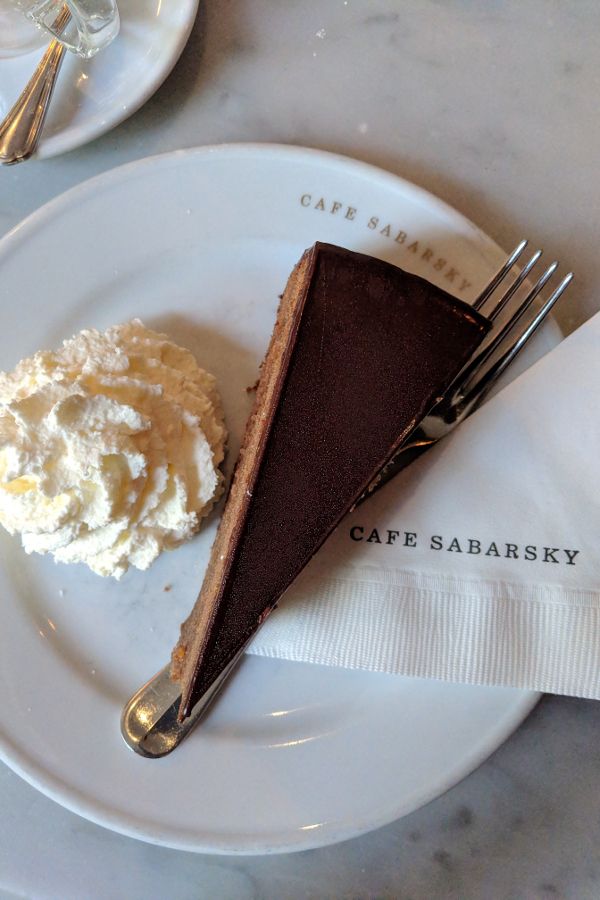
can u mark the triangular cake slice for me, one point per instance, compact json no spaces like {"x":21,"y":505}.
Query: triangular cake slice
{"x":360,"y":353}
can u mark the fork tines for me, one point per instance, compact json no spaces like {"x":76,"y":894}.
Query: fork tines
{"x":474,"y":382}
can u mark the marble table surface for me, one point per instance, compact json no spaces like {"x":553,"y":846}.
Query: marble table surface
{"x":494,"y":108}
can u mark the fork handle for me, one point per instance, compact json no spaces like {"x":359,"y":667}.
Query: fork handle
{"x":407,"y":454}
{"x":20,"y":130}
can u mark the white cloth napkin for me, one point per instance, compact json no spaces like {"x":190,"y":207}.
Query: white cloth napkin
{"x":481,"y":562}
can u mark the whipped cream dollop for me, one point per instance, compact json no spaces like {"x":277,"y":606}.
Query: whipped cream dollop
{"x":109,"y":448}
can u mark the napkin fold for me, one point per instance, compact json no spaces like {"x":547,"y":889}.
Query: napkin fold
{"x":479,"y":563}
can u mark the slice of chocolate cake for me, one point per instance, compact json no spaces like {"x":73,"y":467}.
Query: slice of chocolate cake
{"x":360,"y":352}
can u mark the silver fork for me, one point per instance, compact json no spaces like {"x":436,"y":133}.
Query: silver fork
{"x":149,"y":721}
{"x":474,"y":382}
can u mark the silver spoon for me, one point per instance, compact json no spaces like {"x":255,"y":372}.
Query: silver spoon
{"x":20,"y":131}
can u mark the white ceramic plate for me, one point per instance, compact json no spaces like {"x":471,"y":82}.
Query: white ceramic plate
{"x":92,"y":96}
{"x":199,"y":244}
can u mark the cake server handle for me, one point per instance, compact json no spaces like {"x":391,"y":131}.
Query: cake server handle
{"x":149,"y":720}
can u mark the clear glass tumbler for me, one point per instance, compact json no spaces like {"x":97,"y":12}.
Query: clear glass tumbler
{"x":17,"y":34}
{"x":93,"y":23}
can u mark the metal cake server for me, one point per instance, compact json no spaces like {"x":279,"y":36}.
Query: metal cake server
{"x":149,"y":721}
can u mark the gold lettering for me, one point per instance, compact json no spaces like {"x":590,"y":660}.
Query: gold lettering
{"x":373,"y":222}
{"x":427,"y":253}
{"x":350,"y":213}
{"x":320,"y":204}
{"x":401,"y":237}
{"x":414,"y":247}
{"x":387,"y":231}
{"x":334,"y":207}
{"x":450,"y":274}
{"x":439,"y":264}
{"x":305,"y":199}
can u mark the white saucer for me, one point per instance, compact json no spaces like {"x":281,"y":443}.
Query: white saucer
{"x":199,"y":244}
{"x":92,"y":96}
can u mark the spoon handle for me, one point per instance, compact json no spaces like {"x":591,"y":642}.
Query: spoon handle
{"x":20,"y":130}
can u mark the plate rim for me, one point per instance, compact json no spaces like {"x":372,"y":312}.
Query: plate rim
{"x":75,"y":801}
{"x":132,"y":826}
{"x":242,"y":149}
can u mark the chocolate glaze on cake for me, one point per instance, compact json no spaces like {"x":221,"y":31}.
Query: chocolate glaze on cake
{"x":360,"y":352}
